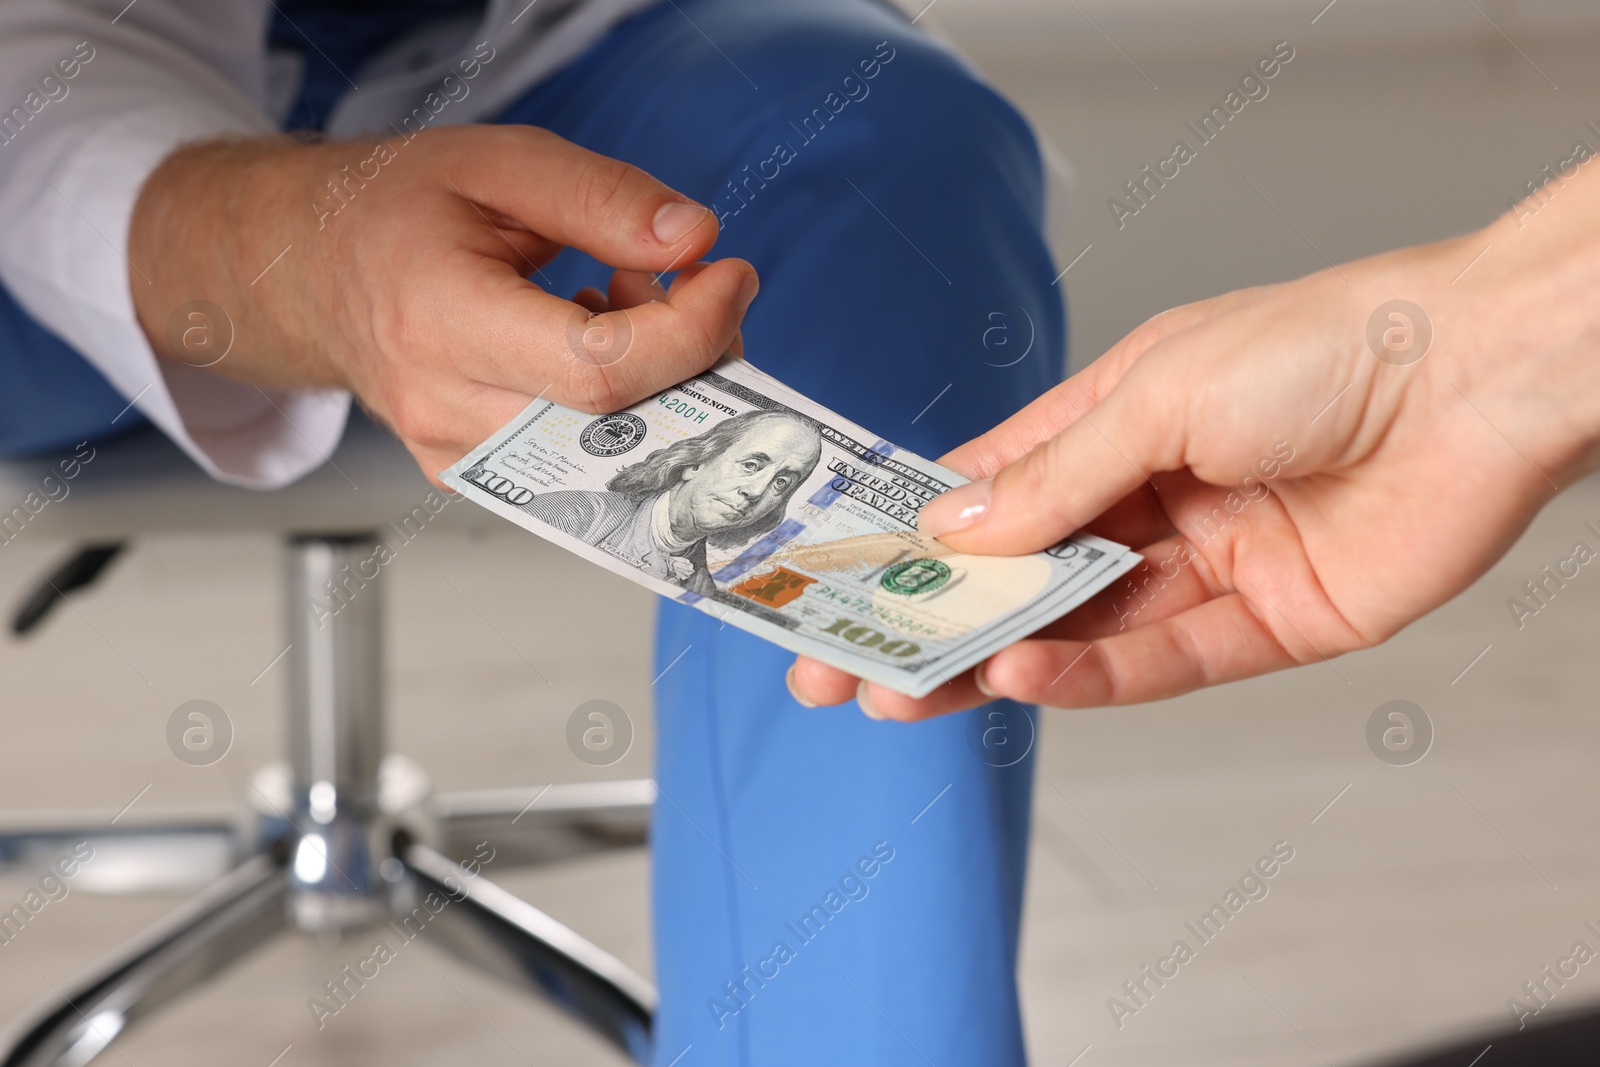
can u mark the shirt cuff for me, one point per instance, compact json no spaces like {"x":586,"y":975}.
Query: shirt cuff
{"x":80,"y":288}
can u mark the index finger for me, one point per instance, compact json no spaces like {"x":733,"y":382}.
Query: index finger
{"x":1066,"y":481}
{"x":536,"y":344}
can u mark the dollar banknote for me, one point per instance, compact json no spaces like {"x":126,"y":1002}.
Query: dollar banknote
{"x":735,"y":494}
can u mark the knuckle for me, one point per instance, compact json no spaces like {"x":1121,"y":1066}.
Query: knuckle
{"x":532,"y":136}
{"x":1023,"y":671}
{"x":1040,"y":472}
{"x":697,"y":330}
{"x":605,"y":185}
{"x":1187,"y":659}
{"x":1155,"y":328}
{"x":401,"y":327}
{"x":508,"y":138}
{"x":419,"y":421}
{"x":1103,"y":682}
{"x":596,"y":389}
{"x":702,"y":343}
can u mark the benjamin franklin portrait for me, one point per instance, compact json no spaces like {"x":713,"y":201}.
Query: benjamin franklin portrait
{"x":723,"y":488}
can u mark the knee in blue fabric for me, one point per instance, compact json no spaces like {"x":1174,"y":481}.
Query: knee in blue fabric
{"x":895,"y":218}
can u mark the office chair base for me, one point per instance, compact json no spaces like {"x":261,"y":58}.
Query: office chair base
{"x":338,"y":839}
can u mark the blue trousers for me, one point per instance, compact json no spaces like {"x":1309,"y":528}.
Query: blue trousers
{"x":829,"y":889}
{"x":894,"y":220}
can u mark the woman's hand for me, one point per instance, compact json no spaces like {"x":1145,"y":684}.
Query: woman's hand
{"x":1303,"y":469}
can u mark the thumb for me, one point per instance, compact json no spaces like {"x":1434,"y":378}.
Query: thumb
{"x":1064,"y":482}
{"x":571,"y":196}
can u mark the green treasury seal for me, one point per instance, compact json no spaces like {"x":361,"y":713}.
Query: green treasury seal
{"x":915,"y":576}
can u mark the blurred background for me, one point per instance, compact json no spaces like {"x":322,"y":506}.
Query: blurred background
{"x":1421,"y":896}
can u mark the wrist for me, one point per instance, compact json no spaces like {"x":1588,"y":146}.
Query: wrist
{"x":215,"y":229}
{"x":1526,"y":322}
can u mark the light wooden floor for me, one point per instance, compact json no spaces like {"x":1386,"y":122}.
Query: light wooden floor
{"x":1414,"y":906}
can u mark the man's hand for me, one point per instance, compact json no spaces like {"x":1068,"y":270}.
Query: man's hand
{"x":396,"y":269}
{"x":1301,"y":475}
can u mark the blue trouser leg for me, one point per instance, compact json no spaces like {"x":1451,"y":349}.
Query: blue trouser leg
{"x":898,"y":239}
{"x":50,"y":397}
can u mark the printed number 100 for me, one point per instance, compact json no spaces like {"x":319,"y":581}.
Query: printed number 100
{"x":866,"y":637}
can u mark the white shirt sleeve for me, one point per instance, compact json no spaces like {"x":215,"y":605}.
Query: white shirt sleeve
{"x":93,"y":96}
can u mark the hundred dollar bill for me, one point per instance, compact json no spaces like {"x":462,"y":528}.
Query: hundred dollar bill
{"x":735,"y":494}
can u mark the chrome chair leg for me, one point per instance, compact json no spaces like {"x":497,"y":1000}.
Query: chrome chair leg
{"x":499,"y":933}
{"x":184,"y":855}
{"x":206,"y":935}
{"x":339,"y":838}
{"x":544,"y":824}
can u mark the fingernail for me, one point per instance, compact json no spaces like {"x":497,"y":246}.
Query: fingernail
{"x":980,"y":678}
{"x":960,"y":508}
{"x":747,"y":291}
{"x":788,"y":679}
{"x":865,"y":701}
{"x":674,"y":220}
